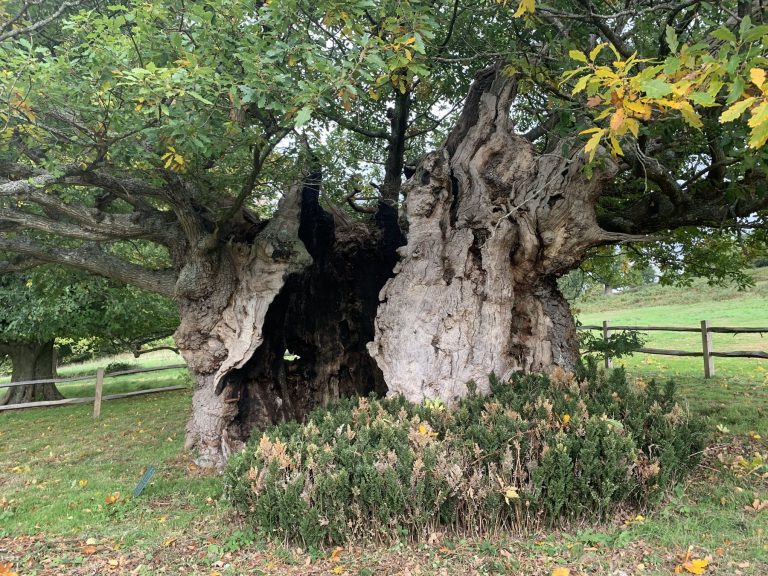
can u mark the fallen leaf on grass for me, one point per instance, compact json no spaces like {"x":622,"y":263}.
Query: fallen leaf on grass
{"x":338,"y":570}
{"x":561,"y":572}
{"x":5,"y":570}
{"x":88,"y":550}
{"x":82,"y":483}
{"x":112,"y":498}
{"x":693,"y":566}
{"x":757,"y":506}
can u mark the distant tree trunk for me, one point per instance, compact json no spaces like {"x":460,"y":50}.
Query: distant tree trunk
{"x":491,"y":225}
{"x":308,"y":282}
{"x":31,"y":361}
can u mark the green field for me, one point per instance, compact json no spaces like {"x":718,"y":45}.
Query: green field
{"x":60,"y":471}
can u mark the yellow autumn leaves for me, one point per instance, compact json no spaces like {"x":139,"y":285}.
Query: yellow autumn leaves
{"x":690,"y":565}
{"x":173,"y":160}
{"x":6,"y":570}
{"x":523,"y":8}
{"x":630,"y":91}
{"x":758,"y":107}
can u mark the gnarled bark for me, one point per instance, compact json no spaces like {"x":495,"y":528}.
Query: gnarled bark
{"x":307,"y":283}
{"x":31,"y":361}
{"x":491,"y":225}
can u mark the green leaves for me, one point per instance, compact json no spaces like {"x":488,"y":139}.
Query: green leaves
{"x":656,"y":88}
{"x":736,"y":110}
{"x":578,"y":55}
{"x":671,"y":38}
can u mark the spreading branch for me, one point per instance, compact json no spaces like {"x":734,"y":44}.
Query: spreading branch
{"x":91,"y":258}
{"x":8,"y":32}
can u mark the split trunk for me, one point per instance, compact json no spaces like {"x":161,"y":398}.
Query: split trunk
{"x":469,"y":290}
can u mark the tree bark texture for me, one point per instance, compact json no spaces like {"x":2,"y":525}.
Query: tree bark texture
{"x":491,"y":225}
{"x":308,"y":283}
{"x":31,"y":361}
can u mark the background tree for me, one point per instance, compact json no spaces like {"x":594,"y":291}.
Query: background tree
{"x":179,"y":125}
{"x":40,"y":305}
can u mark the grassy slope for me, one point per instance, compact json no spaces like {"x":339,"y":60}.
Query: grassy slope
{"x":738,"y":395}
{"x":57,"y":467}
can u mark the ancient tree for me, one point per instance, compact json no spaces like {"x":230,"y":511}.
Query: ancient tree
{"x":264,"y":147}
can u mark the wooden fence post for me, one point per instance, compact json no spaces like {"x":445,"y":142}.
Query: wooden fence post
{"x":606,"y":337}
{"x":97,"y":395}
{"x":706,"y":345}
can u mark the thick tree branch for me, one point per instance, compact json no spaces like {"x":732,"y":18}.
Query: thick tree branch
{"x":258,"y":158}
{"x":18,"y":264}
{"x":94,"y":224}
{"x":12,"y":33}
{"x":608,"y":33}
{"x":91,"y":258}
{"x":352,"y":127}
{"x":538,"y":131}
{"x":110,"y":227}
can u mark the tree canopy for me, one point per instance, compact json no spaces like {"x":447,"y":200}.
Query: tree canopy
{"x":49,"y":302}
{"x":135,"y":120}
{"x":482,"y":149}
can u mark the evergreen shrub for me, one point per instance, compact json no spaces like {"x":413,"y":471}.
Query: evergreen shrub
{"x":537,"y":451}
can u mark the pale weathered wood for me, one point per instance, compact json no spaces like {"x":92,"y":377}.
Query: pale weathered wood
{"x":644,"y":328}
{"x":719,"y":330}
{"x":723,"y":330}
{"x":98,"y":393}
{"x":222,"y":335}
{"x":45,"y":403}
{"x":741,"y":354}
{"x":142,"y":370}
{"x":664,"y":352}
{"x":48,"y":381}
{"x":606,"y":337}
{"x":86,"y":399}
{"x":92,"y":376}
{"x":491,"y":224}
{"x":706,"y":346}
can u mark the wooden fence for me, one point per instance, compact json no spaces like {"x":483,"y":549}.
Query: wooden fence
{"x":98,"y":391}
{"x":706,"y":331}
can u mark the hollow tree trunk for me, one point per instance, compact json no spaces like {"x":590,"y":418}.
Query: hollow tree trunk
{"x":307,"y":282}
{"x":31,"y":361}
{"x":491,"y":225}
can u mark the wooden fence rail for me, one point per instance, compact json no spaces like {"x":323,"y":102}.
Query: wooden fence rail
{"x":706,"y":332}
{"x":98,"y":389}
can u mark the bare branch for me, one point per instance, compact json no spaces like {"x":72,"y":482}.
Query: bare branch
{"x":352,"y":127}
{"x":538,"y":131}
{"x":91,"y":258}
{"x":94,"y":224}
{"x":355,"y":206}
{"x":8,"y":34}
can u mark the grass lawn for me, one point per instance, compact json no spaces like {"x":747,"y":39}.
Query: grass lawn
{"x":66,"y":483}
